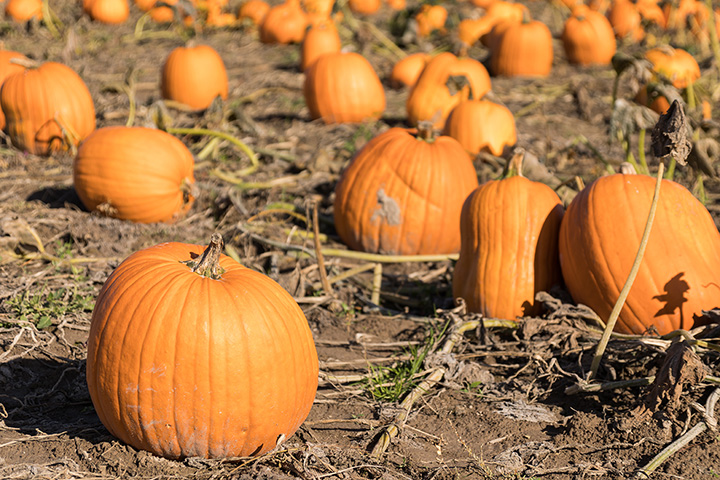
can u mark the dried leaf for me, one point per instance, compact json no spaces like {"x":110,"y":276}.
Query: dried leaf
{"x":670,"y":135}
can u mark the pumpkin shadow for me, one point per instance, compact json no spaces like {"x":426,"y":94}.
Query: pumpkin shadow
{"x":49,"y":397}
{"x":674,"y":297}
{"x":58,"y":197}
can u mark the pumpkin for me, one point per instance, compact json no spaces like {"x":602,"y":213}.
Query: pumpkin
{"x":194,"y":76}
{"x":254,"y":10}
{"x":7,"y":68}
{"x":430,"y":18}
{"x":397,"y":4}
{"x":190,"y":354}
{"x":402,"y":194}
{"x":500,"y":12}
{"x":470,"y":30}
{"x":46,"y":107}
{"x":342,"y":87}
{"x":320,"y":39}
{"x":321,"y":8}
{"x":431,"y":98}
{"x":406,"y":71}
{"x":284,"y":23}
{"x":599,"y":238}
{"x":675,"y":64}
{"x":143,"y":5}
{"x":523,"y":49}
{"x":109,"y":11}
{"x":588,"y":38}
{"x":138,"y":174}
{"x":509,"y":251}
{"x":482,"y":125}
{"x":23,"y":10}
{"x":364,"y":7}
{"x":626,"y":20}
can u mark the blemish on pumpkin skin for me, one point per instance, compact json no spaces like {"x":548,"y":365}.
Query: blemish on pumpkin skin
{"x":387,"y":209}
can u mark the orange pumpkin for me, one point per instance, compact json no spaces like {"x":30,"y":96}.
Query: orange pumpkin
{"x":588,"y":38}
{"x":190,"y":354}
{"x":482,"y":125}
{"x":523,"y":49}
{"x":674,"y":64}
{"x":194,"y":76}
{"x":254,"y":10}
{"x":406,"y":71}
{"x":402,"y":194}
{"x":431,"y":98}
{"x":509,"y":231}
{"x":430,"y":18}
{"x":343,"y":87}
{"x":8,"y":68}
{"x":364,"y":7}
{"x":321,"y":8}
{"x":111,"y":12}
{"x":677,"y":279}
{"x":23,"y":10}
{"x":139,"y":174}
{"x":320,"y":39}
{"x":397,"y":4}
{"x":626,"y":20}
{"x":46,"y":107}
{"x":470,"y":30}
{"x":284,"y":23}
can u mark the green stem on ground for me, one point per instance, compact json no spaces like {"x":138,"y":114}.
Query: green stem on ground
{"x":641,"y":152}
{"x":671,"y":169}
{"x":612,"y":320}
{"x":225,"y":136}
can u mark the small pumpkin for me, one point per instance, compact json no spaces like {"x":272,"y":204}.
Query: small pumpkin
{"x":321,"y":38}
{"x":138,"y":174}
{"x":431,"y":99}
{"x":588,"y":38}
{"x":402,"y":194}
{"x":190,"y":354}
{"x":111,"y":12}
{"x":523,"y":49}
{"x":46,"y":107}
{"x":509,"y":232}
{"x":7,"y":68}
{"x":364,"y":7}
{"x":599,"y":237}
{"x":254,"y":10}
{"x":406,"y":71}
{"x":626,"y":20}
{"x":675,"y":64}
{"x":430,"y":18}
{"x":23,"y":10}
{"x":342,"y":87}
{"x":284,"y":23}
{"x":194,"y":76}
{"x":482,"y":125}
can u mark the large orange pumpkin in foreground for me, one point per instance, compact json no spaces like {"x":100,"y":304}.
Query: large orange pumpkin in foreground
{"x":194,"y":76}
{"x":192,"y":354}
{"x":403,"y":192}
{"x":678,"y":277}
{"x":46,"y":107}
{"x":135,"y":173}
{"x":509,"y":251}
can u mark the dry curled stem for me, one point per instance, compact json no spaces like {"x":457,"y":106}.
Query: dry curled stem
{"x":670,"y":135}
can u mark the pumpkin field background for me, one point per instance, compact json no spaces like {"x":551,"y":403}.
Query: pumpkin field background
{"x":501,"y":409}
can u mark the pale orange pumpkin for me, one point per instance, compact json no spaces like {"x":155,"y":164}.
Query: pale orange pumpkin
{"x":254,"y":10}
{"x":509,"y":231}
{"x":284,"y":23}
{"x":111,"y":12}
{"x":321,"y":38}
{"x":482,"y":125}
{"x":406,"y":71}
{"x":23,"y":10}
{"x":342,"y":87}
{"x":139,"y":174}
{"x":364,"y":7}
{"x":431,"y":18}
{"x":46,"y":107}
{"x":194,"y":76}
{"x":190,"y":354}
{"x":403,"y":192}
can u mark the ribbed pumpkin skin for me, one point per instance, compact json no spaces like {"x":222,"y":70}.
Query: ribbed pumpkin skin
{"x":320,"y":39}
{"x":194,"y":76}
{"x":403,"y":195}
{"x":600,"y":235}
{"x":524,"y":49}
{"x":23,"y":10}
{"x":183,"y":365}
{"x":134,"y":173}
{"x":342,"y":87}
{"x":406,"y":71}
{"x":284,"y":23}
{"x":509,"y":230}
{"x":34,"y":99}
{"x":112,"y":12}
{"x":588,"y":38}
{"x":482,"y":125}
{"x":6,"y":69}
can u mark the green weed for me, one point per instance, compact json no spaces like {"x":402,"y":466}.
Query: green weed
{"x":362,"y":135}
{"x":42,"y":306}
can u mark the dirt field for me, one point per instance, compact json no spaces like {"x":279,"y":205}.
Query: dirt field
{"x":500,"y":408}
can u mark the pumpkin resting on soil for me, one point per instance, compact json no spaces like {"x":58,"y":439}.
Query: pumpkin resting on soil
{"x":402,"y":194}
{"x":194,"y":76}
{"x":192,"y":354}
{"x":509,"y":230}
{"x":599,"y":238}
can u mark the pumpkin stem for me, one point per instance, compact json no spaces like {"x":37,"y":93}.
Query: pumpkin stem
{"x":627,"y":168}
{"x":208,"y":265}
{"x":25,"y":62}
{"x":514,"y":166}
{"x":426,"y":131}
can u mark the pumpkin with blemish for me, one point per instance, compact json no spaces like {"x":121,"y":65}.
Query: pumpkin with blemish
{"x":190,"y":354}
{"x":403,"y":192}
